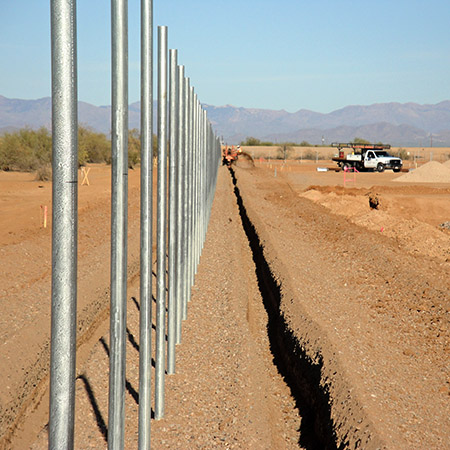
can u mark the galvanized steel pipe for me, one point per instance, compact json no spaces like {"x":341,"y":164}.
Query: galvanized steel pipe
{"x":161,"y":224}
{"x":180,"y":199}
{"x":186,"y":152}
{"x":64,"y":223}
{"x":145,"y":321}
{"x":119,"y":210}
{"x":193,"y":162}
{"x":173,"y":197}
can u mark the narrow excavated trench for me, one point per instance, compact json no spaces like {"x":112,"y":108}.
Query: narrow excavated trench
{"x":301,"y":374}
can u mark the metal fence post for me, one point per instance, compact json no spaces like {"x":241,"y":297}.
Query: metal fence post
{"x":161,"y":224}
{"x":173,"y":196}
{"x":193,"y":164}
{"x":186,"y":157}
{"x":64,"y":224}
{"x":145,"y":322}
{"x":195,"y":179}
{"x":119,"y":211}
{"x":190,"y":186}
{"x":180,"y":200}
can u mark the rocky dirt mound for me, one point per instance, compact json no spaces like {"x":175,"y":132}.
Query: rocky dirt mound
{"x":447,"y":163}
{"x":431,"y":172}
{"x":378,"y":213}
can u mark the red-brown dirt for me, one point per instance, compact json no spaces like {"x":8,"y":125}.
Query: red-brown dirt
{"x":363,"y":297}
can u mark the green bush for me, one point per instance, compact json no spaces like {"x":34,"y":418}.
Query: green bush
{"x":358,"y":140}
{"x":313,"y":156}
{"x":254,"y":142}
{"x":44,"y":173}
{"x":31,"y":150}
{"x":401,"y":153}
{"x":93,"y":147}
{"x":155,"y":146}
{"x":25,"y":150}
{"x":134,"y":148}
{"x":284,"y":152}
{"x":309,"y":154}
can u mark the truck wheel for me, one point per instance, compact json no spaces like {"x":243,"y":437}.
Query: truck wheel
{"x":396,"y":169}
{"x":345,"y":167}
{"x":380,"y":167}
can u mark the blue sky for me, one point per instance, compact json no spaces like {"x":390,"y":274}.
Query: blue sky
{"x":320,"y":55}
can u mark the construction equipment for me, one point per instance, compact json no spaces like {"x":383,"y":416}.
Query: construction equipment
{"x":230,"y":154}
{"x":366,"y":157}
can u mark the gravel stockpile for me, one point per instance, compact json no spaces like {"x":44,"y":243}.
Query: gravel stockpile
{"x":431,"y":172}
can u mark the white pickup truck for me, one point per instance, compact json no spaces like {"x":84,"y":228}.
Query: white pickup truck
{"x":366,"y":157}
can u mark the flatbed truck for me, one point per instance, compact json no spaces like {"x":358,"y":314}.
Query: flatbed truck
{"x":366,"y":157}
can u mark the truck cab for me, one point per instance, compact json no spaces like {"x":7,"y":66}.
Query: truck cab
{"x":381,"y":160}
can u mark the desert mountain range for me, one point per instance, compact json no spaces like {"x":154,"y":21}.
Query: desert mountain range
{"x":400,"y":124}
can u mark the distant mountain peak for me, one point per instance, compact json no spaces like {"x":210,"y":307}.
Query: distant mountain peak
{"x":395,"y":123}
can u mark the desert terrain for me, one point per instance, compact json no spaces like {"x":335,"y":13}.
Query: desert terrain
{"x":319,"y":316}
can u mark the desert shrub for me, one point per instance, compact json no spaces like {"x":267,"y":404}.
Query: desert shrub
{"x":44,"y":173}
{"x":134,"y":148}
{"x":251,"y":142}
{"x":305,"y":144}
{"x":155,"y":145}
{"x":358,"y":140}
{"x":25,"y":150}
{"x":31,"y":150}
{"x":254,"y":142}
{"x":401,"y":153}
{"x":284,"y":152}
{"x":309,"y":154}
{"x":313,"y":156}
{"x":93,"y":147}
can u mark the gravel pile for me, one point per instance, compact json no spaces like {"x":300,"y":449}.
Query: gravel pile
{"x":431,"y":172}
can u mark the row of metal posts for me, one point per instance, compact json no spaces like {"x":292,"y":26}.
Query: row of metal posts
{"x":188,"y":159}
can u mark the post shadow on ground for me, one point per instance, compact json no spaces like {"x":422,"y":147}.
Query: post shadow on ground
{"x":101,"y":424}
{"x":138,"y":306}
{"x":132,"y":340}
{"x":130,"y":336}
{"x":128,"y":386}
{"x":136,"y":303}
{"x":100,"y":421}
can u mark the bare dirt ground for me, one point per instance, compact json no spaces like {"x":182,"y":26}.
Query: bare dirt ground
{"x":316,"y":321}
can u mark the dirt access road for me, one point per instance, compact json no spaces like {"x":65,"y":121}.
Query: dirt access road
{"x":357,"y":321}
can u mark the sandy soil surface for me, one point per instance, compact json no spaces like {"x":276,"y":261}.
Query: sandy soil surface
{"x":25,"y":267}
{"x":315,"y":318}
{"x":372,"y":313}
